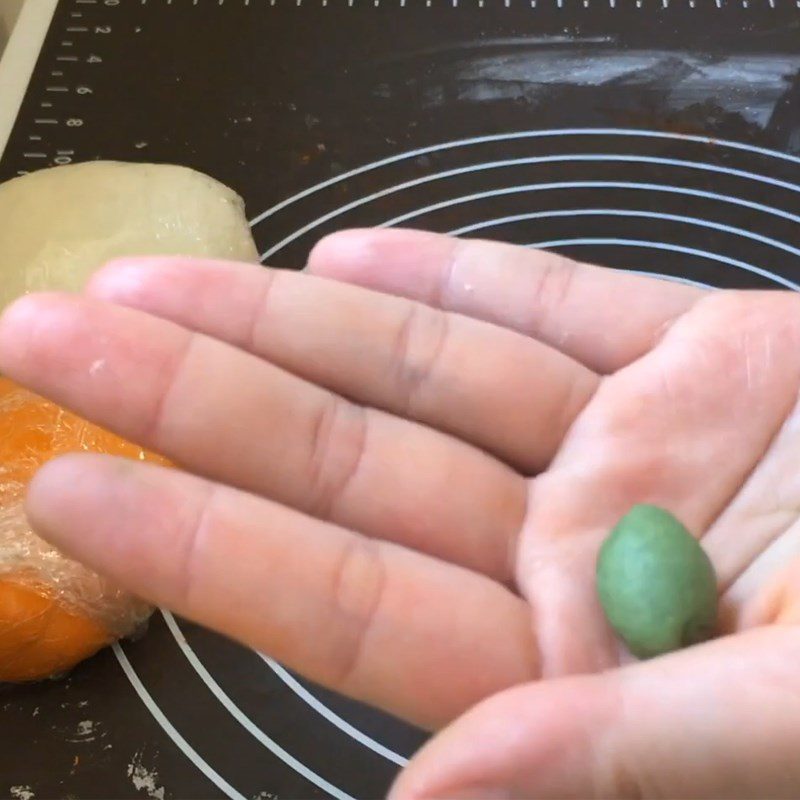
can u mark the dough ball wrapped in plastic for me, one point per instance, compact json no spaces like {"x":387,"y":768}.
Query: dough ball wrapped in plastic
{"x":57,"y":227}
{"x":53,"y":611}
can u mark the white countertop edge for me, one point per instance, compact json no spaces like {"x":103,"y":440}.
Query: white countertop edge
{"x":19,"y":59}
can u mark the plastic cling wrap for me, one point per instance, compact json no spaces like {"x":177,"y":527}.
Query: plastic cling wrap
{"x":58,"y":226}
{"x":53,"y":611}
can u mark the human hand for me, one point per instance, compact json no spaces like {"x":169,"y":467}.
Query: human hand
{"x":404,"y":500}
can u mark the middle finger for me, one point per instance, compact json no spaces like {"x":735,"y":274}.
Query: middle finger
{"x":506,"y":393}
{"x":228,"y":415}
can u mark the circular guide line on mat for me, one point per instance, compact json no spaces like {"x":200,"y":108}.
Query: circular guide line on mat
{"x":332,"y":716}
{"x":521,"y":135}
{"x":558,"y":185}
{"x":672,"y":248}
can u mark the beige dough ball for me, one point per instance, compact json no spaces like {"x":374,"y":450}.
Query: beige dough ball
{"x":59,"y":225}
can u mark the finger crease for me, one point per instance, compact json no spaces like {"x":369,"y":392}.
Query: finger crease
{"x":260,"y":312}
{"x":359,"y":585}
{"x":414,"y":373}
{"x":552,"y":289}
{"x":339,"y":441}
{"x":153,"y":427}
{"x":186,"y":581}
{"x":442,"y":289}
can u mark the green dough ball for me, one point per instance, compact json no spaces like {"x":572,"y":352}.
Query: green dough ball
{"x":656,"y":583}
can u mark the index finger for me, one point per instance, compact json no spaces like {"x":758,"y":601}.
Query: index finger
{"x":601,"y":317}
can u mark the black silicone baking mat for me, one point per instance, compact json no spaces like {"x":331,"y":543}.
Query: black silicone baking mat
{"x":652,"y":135}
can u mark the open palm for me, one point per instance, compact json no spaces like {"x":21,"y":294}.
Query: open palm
{"x":401,"y":494}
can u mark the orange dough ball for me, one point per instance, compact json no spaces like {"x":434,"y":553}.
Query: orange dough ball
{"x":53,"y":611}
{"x":40,"y":637}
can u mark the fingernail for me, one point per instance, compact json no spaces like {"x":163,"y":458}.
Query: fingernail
{"x":340,"y":252}
{"x":123,"y":277}
{"x":473,"y":792}
{"x":477,"y":793}
{"x":22,"y":324}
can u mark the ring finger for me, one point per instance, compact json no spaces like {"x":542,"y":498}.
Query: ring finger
{"x":228,"y":415}
{"x":392,"y":627}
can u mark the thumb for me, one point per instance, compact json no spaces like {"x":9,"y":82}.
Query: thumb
{"x":721,"y":720}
